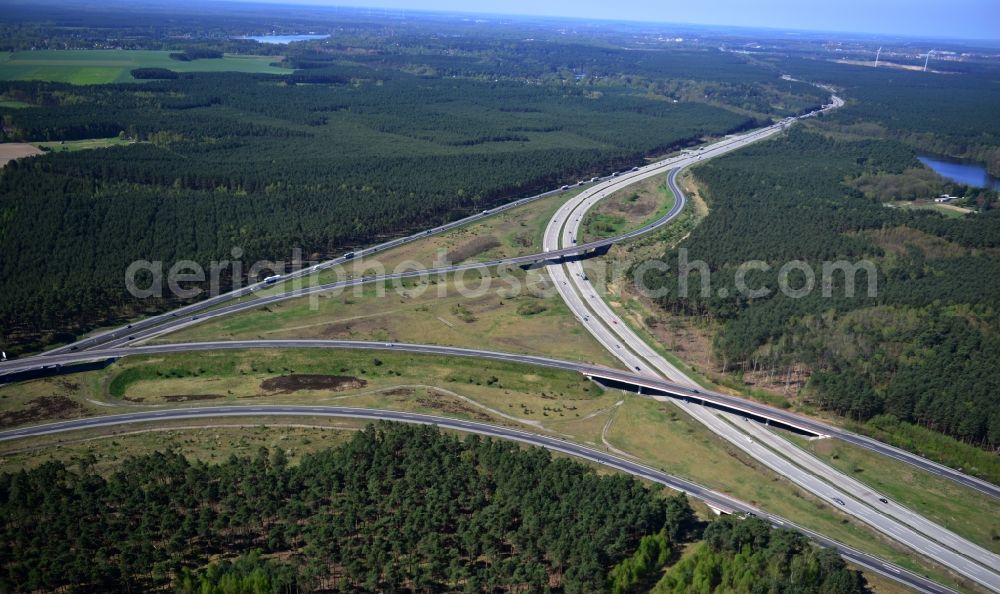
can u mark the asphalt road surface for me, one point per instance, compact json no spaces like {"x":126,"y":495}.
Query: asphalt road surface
{"x":576,"y":290}
{"x":811,"y":474}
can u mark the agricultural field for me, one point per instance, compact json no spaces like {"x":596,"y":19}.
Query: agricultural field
{"x":10,"y":151}
{"x":93,"y":67}
{"x":58,"y":146}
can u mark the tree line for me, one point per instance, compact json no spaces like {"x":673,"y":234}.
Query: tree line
{"x":225,"y":160}
{"x":397,"y":508}
{"x":920,"y":349}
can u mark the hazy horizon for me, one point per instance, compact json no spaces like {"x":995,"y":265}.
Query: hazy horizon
{"x":960,"y":19}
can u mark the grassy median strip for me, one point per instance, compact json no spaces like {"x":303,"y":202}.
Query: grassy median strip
{"x":506,"y":234}
{"x":968,"y":513}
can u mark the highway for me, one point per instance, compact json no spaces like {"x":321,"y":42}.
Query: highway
{"x":863,"y":494}
{"x":184,"y":316}
{"x":809,"y":473}
{"x":121,"y":334}
{"x":595,"y":314}
{"x":631,"y":378}
{"x":712,"y":498}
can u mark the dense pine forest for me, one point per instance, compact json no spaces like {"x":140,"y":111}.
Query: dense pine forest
{"x":748,"y":556}
{"x":398,"y":508}
{"x":350,"y":146}
{"x":922,"y":350}
{"x":948,"y":114}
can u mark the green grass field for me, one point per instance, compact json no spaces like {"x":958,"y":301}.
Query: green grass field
{"x":948,"y":210}
{"x":229,"y":377}
{"x":208,"y":440}
{"x":87,"y":67}
{"x":628,"y":209}
{"x":500,"y":318}
{"x":58,"y":146}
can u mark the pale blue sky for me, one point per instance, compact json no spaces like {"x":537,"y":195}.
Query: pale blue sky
{"x":976,"y":19}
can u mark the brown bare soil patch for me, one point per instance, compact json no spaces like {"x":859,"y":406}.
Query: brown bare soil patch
{"x":286,"y":384}
{"x":400,"y":392}
{"x":42,"y":409}
{"x":471,"y":248}
{"x":449,"y":406}
{"x":16,"y":150}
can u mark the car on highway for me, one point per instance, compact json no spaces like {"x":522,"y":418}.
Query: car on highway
{"x":883,"y":500}
{"x":839,"y":501}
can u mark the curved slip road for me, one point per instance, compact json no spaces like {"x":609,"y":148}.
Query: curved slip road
{"x":178,"y":318}
{"x":595,"y":371}
{"x":712,"y":498}
{"x":808,"y":472}
{"x":190,"y":315}
{"x":187,"y":315}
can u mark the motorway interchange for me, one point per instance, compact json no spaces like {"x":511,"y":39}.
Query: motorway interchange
{"x":646,"y":368}
{"x":781,"y":456}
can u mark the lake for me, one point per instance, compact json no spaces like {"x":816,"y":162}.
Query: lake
{"x":970,"y":174}
{"x":282,"y":39}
